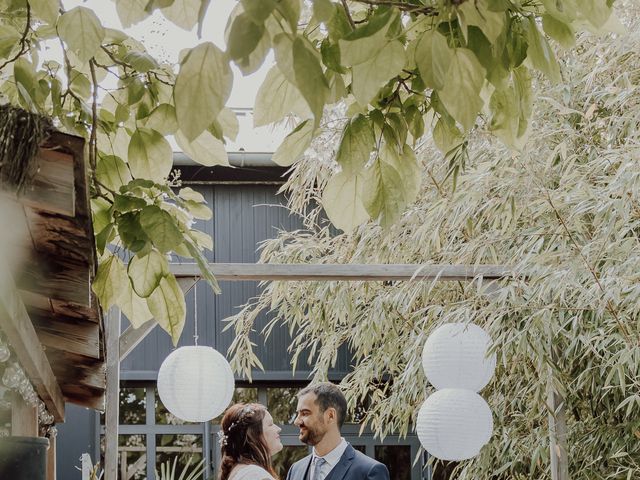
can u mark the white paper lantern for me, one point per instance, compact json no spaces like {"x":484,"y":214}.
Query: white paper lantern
{"x":195,"y":383}
{"x":454,"y":424}
{"x":455,"y":356}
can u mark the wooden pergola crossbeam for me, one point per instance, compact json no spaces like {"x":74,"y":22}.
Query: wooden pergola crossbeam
{"x":348,"y":272}
{"x":18,"y":328}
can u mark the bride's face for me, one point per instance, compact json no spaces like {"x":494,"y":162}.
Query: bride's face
{"x":271,"y":434}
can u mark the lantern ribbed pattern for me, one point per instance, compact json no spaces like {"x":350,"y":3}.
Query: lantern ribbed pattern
{"x":195,"y":383}
{"x":454,"y":424}
{"x":454,"y":356}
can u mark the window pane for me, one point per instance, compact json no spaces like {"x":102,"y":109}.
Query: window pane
{"x":287,"y":457}
{"x":180,"y":449}
{"x":397,"y":458}
{"x":240,"y":395}
{"x":132,"y":457}
{"x":133,"y":404}
{"x":282,"y":404}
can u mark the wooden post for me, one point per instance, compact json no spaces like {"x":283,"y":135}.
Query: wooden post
{"x":112,"y":400}
{"x":24,"y":418}
{"x":51,"y":459}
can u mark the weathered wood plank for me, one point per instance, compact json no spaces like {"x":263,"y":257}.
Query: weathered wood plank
{"x":17,"y":326}
{"x":75,"y":372}
{"x":133,"y":336}
{"x":68,"y":334}
{"x":51,"y":459}
{"x":24,"y":418}
{"x":112,"y":331}
{"x":350,"y":272}
{"x":52,"y":188}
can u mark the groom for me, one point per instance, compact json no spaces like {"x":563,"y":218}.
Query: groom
{"x":320,"y":415}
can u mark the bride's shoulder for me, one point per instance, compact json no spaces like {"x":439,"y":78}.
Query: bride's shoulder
{"x":250,"y":472}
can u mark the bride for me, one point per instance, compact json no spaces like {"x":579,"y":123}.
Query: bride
{"x":248,"y":439}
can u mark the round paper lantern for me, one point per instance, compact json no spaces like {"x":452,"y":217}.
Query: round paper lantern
{"x":454,"y":424}
{"x":195,"y":383}
{"x":455,"y":356}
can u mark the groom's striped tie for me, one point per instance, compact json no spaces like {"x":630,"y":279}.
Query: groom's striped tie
{"x":318,"y":463}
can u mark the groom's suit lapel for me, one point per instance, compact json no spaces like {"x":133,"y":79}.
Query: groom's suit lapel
{"x":340,"y":470}
{"x":306,"y":471}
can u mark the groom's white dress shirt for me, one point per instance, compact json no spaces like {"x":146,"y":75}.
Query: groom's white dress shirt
{"x":331,"y":459}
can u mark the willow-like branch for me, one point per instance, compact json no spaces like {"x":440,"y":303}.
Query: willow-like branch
{"x":24,"y":45}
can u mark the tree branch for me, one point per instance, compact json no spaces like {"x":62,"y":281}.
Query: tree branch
{"x":348,"y":13}
{"x":24,"y":45}
{"x":402,"y":6}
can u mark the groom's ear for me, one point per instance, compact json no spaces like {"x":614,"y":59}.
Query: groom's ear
{"x":332,"y":414}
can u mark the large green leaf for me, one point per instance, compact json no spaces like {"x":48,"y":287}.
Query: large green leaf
{"x":244,"y":36}
{"x":166,"y":303}
{"x":365,"y":42}
{"x":149,"y":155}
{"x":406,"y":164}
{"x":294,"y":145}
{"x":134,"y":307}
{"x":9,"y":39}
{"x":161,"y":228}
{"x":596,"y":12}
{"x":202,"y":88}
{"x":540,"y":54}
{"x":479,"y":14}
{"x":370,"y":76}
{"x":81,"y":30}
{"x":110,"y":281}
{"x":228,"y":121}
{"x":382,"y":194}
{"x":356,"y":145}
{"x":163,"y":119}
{"x":310,"y":78}
{"x":342,"y":203}
{"x":184,"y":13}
{"x":277,"y":97}
{"x":112,"y":172}
{"x":205,"y":150}
{"x":461,"y":93}
{"x":131,"y":11}
{"x":433,"y":57}
{"x":560,"y":31}
{"x":47,"y":10}
{"x":145,"y":272}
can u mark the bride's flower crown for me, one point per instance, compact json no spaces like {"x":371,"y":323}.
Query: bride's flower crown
{"x":223,"y":438}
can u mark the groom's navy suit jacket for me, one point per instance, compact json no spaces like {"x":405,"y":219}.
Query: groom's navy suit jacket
{"x":353,"y":465}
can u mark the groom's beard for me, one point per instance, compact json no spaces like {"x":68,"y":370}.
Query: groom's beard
{"x":310,"y":437}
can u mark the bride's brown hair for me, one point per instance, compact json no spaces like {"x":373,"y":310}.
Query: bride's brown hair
{"x":241,"y":439}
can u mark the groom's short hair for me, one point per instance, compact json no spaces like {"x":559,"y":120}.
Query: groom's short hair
{"x":328,"y":395}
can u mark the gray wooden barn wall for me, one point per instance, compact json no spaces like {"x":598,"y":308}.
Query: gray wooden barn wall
{"x":243,"y":216}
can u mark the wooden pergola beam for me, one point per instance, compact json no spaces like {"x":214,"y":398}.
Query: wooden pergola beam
{"x":17,"y":326}
{"x":349,"y":272}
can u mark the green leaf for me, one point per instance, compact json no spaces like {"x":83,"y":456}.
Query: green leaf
{"x":134,"y":307}
{"x":356,"y":145}
{"x":163,"y":119}
{"x":342,"y":203}
{"x":188,"y":193}
{"x":25,"y":77}
{"x":365,"y":42}
{"x":382,"y":194}
{"x":149,"y":155}
{"x":110,"y":281}
{"x":142,"y":62}
{"x":370,"y":76}
{"x":198,"y":210}
{"x":406,"y":164}
{"x":112,"y":172}
{"x":294,"y":145}
{"x":446,"y":135}
{"x":323,"y":10}
{"x":276,"y":98}
{"x":184,"y":13}
{"x":244,"y":36}
{"x":130,"y":231}
{"x":167,"y":306}
{"x":229,"y":123}
{"x":202,"y":89}
{"x":597,"y":12}
{"x":478,"y":13}
{"x":79,"y":84}
{"x":461,"y":93}
{"x":9,"y":40}
{"x":310,"y":78}
{"x":47,"y":10}
{"x":202,"y":239}
{"x":558,"y":30}
{"x":131,"y":11}
{"x":161,"y":228}
{"x":81,"y":30}
{"x":146,"y":272}
{"x":539,"y":52}
{"x":128,"y":203}
{"x":290,"y":11}
{"x":433,"y":58}
{"x":205,"y":150}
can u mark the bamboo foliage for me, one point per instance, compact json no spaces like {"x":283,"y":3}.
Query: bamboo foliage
{"x":566,"y":210}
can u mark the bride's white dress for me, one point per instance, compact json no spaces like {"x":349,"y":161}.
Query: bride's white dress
{"x":249,"y":472}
